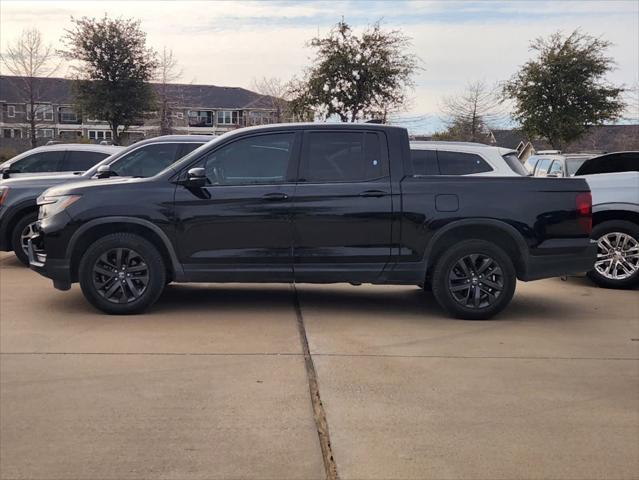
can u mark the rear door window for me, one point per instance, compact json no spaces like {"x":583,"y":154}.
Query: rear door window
{"x":187,"y":148}
{"x":343,"y":157}
{"x":530,"y":164}
{"x":458,"y":163}
{"x":542,"y":167}
{"x":424,"y":162}
{"x":556,"y":169}
{"x":78,"y":161}
{"x":40,"y":162}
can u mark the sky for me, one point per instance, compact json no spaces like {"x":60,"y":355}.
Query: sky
{"x":232,"y":43}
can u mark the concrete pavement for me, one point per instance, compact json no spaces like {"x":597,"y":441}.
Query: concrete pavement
{"x":211,"y":384}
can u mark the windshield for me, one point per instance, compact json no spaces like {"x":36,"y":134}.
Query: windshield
{"x":515,"y":165}
{"x":93,"y":170}
{"x":145,"y":160}
{"x":573,"y":164}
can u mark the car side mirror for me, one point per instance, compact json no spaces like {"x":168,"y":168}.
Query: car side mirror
{"x":7,"y":171}
{"x":196,"y":177}
{"x":104,"y":171}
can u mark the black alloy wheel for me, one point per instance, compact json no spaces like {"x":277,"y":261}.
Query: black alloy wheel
{"x":120,"y":275}
{"x":476,"y":281}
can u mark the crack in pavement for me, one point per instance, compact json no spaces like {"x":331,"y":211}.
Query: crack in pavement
{"x":321,"y":422}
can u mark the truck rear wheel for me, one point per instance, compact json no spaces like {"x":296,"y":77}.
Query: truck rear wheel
{"x":617,"y":264}
{"x":122,"y":274}
{"x":474,"y":280}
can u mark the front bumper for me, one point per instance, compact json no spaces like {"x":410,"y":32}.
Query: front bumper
{"x":561,"y":259}
{"x":58,"y":270}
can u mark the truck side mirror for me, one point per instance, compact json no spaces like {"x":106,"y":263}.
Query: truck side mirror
{"x":196,"y":177}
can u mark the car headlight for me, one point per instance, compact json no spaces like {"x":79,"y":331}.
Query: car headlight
{"x":4,"y":193}
{"x":50,"y":206}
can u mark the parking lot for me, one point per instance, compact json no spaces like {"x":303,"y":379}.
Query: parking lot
{"x":213,"y":384}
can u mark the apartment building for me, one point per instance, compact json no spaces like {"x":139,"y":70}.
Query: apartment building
{"x":197,"y":109}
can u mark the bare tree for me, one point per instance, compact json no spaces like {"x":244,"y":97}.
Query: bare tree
{"x":276,"y":91}
{"x":470,"y":114}
{"x":27,"y":59}
{"x":168,"y":72}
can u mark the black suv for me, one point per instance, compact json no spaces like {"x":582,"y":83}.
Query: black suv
{"x":18,"y":208}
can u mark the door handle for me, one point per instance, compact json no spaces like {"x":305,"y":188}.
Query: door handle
{"x":373,"y":193}
{"x":275,"y":196}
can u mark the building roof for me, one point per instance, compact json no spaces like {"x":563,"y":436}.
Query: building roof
{"x":601,"y":138}
{"x":58,"y":90}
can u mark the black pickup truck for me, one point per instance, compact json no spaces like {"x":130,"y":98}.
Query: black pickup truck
{"x":318,"y":203}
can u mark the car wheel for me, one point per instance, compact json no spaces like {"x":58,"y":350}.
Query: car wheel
{"x":474,"y":280}
{"x":20,"y":235}
{"x":617,"y":264}
{"x":122,"y":274}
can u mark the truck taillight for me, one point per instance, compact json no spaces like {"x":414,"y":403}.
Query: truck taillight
{"x":584,"y":211}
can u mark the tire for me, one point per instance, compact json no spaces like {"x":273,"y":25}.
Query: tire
{"x":20,"y":229}
{"x":113,"y":272}
{"x":454,"y":288}
{"x":622,"y":270}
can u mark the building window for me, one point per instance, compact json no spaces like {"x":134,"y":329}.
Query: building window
{"x":228,"y":117}
{"x":178,"y":115}
{"x":11,"y":133}
{"x":67,"y":115}
{"x":70,"y":134}
{"x":99,"y":135}
{"x":11,"y":111}
{"x":44,"y":133}
{"x":42,"y":112}
{"x":200,"y":118}
{"x":259,"y":118}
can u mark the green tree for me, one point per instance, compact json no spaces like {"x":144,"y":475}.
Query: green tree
{"x":115,"y":66}
{"x":562,"y":92}
{"x":355,"y":77}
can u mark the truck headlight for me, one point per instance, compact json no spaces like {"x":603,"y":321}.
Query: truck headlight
{"x":50,"y":206}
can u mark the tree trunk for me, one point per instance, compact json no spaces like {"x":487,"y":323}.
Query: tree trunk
{"x":114,"y":132}
{"x":32,"y":115}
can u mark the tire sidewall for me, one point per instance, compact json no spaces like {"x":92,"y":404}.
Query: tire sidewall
{"x":17,"y":233}
{"x":446,"y":262}
{"x":599,"y":231}
{"x":151,"y":256}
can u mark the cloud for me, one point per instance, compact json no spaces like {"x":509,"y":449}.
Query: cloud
{"x":230,"y":43}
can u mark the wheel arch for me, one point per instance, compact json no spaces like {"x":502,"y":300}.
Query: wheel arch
{"x":17,"y":214}
{"x":615,"y":212}
{"x":97,"y":228}
{"x":500,"y":233}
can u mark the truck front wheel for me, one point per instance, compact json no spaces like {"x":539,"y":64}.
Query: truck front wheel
{"x":474,"y":280}
{"x":122,"y":274}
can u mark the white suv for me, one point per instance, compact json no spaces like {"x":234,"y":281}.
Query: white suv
{"x":464,"y":158}
{"x":63,"y":157}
